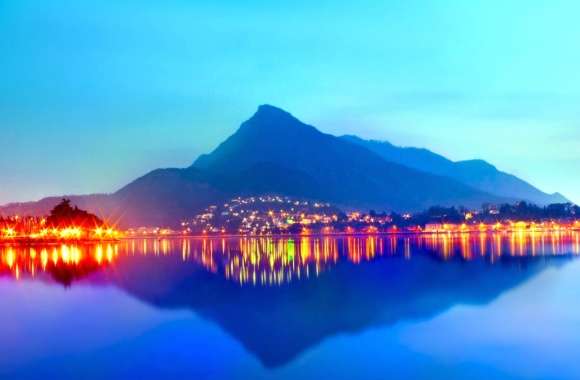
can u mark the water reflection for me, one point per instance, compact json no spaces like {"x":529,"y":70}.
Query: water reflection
{"x":275,"y":261}
{"x":65,"y":263}
{"x":302,"y":290}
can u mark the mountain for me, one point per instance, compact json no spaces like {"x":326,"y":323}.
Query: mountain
{"x":162,"y":197}
{"x":99,"y":204}
{"x":273,"y":152}
{"x":328,"y":167}
{"x":167,"y":196}
{"x":475,"y":173}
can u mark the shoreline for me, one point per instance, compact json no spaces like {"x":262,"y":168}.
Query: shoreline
{"x":339,"y":234}
{"x":32,"y":242}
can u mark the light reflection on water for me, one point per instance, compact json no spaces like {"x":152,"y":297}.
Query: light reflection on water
{"x":300,"y":307}
{"x":275,"y":261}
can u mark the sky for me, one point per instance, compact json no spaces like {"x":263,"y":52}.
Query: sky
{"x":96,"y":93}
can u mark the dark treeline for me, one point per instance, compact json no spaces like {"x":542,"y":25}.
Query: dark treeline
{"x":61,"y":216}
{"x":490,"y":214}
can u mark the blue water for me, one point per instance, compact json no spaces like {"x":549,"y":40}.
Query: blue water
{"x":309,"y":308}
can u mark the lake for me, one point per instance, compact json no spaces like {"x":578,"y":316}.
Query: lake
{"x":475,"y":306}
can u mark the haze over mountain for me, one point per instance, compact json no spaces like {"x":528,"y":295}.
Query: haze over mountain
{"x":476,"y":173}
{"x":273,"y":152}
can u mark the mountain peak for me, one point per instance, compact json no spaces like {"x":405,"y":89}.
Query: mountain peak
{"x":272,"y":114}
{"x":268,"y":127}
{"x":268,"y":108}
{"x":268,"y":118}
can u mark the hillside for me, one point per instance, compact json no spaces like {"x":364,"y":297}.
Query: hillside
{"x":475,"y":173}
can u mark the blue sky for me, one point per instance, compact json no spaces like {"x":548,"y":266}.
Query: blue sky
{"x":96,"y":93}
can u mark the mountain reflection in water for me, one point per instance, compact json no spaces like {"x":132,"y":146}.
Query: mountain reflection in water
{"x":305,"y":289}
{"x":269,"y":261}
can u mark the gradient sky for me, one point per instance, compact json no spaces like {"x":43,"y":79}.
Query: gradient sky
{"x":96,"y":93}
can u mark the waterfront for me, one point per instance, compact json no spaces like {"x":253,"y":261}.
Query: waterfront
{"x":442,"y":305}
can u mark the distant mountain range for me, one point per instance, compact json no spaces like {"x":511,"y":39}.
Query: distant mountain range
{"x":478,"y":174}
{"x":273,"y":152}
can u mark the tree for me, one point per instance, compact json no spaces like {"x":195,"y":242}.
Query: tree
{"x":63,"y":215}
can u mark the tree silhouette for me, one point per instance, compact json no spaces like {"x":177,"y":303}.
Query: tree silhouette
{"x":64,"y":214}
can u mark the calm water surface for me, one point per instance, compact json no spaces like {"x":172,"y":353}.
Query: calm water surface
{"x":465,"y":306}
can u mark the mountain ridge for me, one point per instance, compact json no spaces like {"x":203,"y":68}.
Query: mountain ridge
{"x":342,"y":169}
{"x":274,"y":152}
{"x":477,"y":173}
